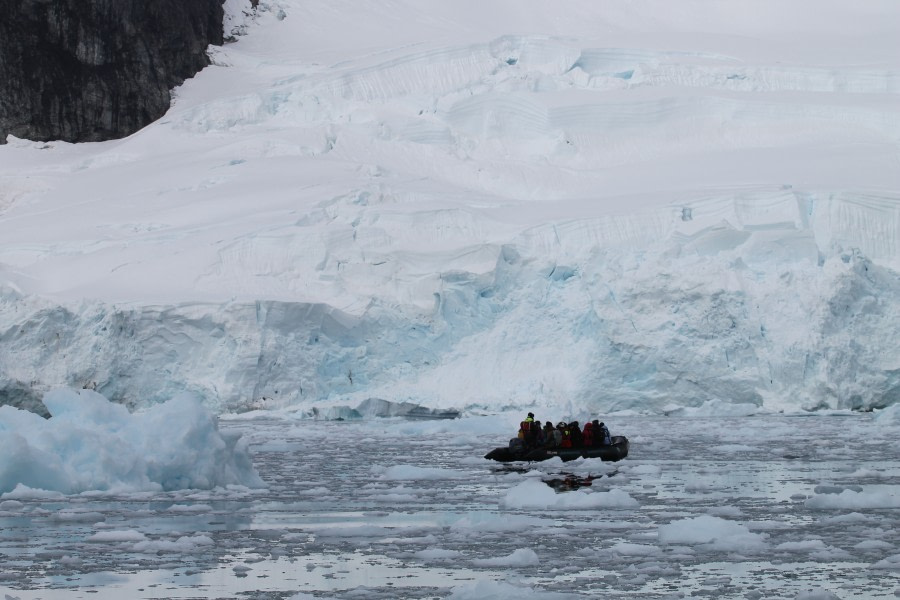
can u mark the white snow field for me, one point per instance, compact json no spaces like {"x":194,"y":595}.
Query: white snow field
{"x":598,"y":205}
{"x":770,"y":507}
{"x":683,"y":217}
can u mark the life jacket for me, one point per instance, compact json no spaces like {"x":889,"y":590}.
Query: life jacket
{"x":566,"y":439}
{"x":605,"y":439}
{"x":547,"y":434}
{"x":587,"y":435}
{"x":575,"y":432}
{"x":526,"y":434}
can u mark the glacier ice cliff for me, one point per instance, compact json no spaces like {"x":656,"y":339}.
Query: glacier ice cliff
{"x":783,"y":300}
{"x":617,"y":206}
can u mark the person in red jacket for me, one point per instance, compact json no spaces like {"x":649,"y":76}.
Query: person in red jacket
{"x":566,"y":435}
{"x":587,"y":436}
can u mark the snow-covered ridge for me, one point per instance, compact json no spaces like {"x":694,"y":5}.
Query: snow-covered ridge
{"x":611,"y":208}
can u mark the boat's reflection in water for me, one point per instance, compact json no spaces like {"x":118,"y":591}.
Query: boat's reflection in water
{"x":562,"y":481}
{"x":567,"y":482}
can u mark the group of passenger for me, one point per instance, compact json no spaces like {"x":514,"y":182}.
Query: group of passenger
{"x":563,"y":435}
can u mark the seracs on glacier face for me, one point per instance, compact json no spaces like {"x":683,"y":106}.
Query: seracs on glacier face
{"x":610,"y":208}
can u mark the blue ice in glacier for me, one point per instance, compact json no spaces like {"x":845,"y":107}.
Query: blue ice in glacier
{"x":89,"y":443}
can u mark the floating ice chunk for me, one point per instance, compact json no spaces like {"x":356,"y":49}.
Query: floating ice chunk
{"x":376,"y":407}
{"x":396,"y":498}
{"x":835,"y":489}
{"x":700,"y":484}
{"x":419,"y":539}
{"x":495,"y":522}
{"x":865,"y":473}
{"x":802,"y":546}
{"x":712,"y":408}
{"x":522,"y":557}
{"x":817,"y":594}
{"x":352,"y":531}
{"x":855,"y":500}
{"x":279,"y":446}
{"x":182,"y":545}
{"x":412,"y":472}
{"x":83,"y":408}
{"x":90,"y":443}
{"x":888,"y":416}
{"x":726,"y":511}
{"x":205,"y":458}
{"x":873,"y":545}
{"x":734,"y":448}
{"x":117,"y":536}
{"x":437,"y":554}
{"x":719,"y":534}
{"x":22,"y":464}
{"x":76,"y":516}
{"x":474,"y":429}
{"x":190,"y":508}
{"x":645,"y":470}
{"x":629,"y":549}
{"x":853,"y":518}
{"x":890,"y":563}
{"x":579,"y":466}
{"x":534,"y":494}
{"x":399,"y":493}
{"x":486,"y":589}
{"x":70,"y":561}
{"x":316,"y":491}
{"x":23,"y":492}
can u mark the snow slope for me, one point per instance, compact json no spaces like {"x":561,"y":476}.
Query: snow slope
{"x":602,"y":205}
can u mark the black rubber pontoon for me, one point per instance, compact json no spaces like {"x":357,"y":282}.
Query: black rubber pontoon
{"x":617,"y":451}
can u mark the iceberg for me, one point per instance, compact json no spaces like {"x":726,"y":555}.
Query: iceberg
{"x":89,"y":444}
{"x":378,"y":408}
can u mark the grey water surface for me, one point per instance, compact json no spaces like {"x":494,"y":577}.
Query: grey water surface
{"x":818,"y":500}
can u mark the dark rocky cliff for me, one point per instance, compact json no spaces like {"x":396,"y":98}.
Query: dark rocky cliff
{"x":90,"y":70}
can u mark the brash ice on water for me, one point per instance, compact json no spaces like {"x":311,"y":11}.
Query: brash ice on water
{"x":684,"y":217}
{"x":744,"y":507}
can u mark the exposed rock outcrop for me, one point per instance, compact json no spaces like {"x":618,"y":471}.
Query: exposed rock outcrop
{"x":90,"y":70}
